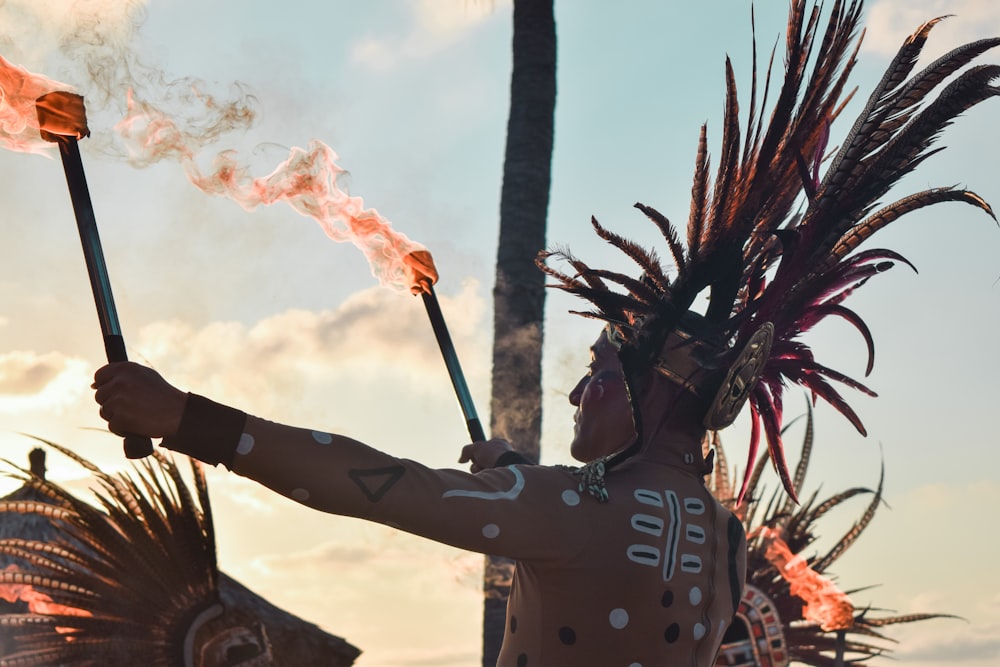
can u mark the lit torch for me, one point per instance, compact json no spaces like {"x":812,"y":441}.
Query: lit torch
{"x":306,"y":181}
{"x":31,"y":114}
{"x":63,"y":121}
{"x":421,"y":265}
{"x":825,"y":604}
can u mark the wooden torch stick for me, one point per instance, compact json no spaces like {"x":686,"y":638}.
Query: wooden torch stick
{"x":451,"y":361}
{"x":62,"y":121}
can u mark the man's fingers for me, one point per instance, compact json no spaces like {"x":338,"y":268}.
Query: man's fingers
{"x":108,"y":414}
{"x":106,"y":373}
{"x":111,"y":393}
{"x":467,"y":456}
{"x":137,"y":400}
{"x":103,"y":393}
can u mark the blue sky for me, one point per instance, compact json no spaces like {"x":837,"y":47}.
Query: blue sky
{"x":261,"y":310}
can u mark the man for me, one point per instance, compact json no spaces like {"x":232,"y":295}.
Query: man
{"x":629,"y":560}
{"x":642,"y":567}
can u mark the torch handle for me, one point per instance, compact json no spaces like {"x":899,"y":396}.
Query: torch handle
{"x":451,"y":362}
{"x":136,"y":446}
{"x":841,"y":645}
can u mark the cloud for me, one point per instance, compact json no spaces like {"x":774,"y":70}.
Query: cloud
{"x":368,"y":559}
{"x":443,"y":19}
{"x":932,"y":553}
{"x":32,"y":381}
{"x":397,"y":596}
{"x":316,"y":560}
{"x":888,"y":23}
{"x":372,"y":548}
{"x":433,"y":28}
{"x":82,"y":36}
{"x":376,"y":348}
{"x":93,"y":46}
{"x":949,"y":498}
{"x":430,"y":658}
{"x":27,"y":372}
{"x":964,"y":644}
{"x":255,"y":501}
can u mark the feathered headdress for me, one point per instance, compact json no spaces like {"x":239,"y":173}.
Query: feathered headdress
{"x":131,"y":578}
{"x":770,"y":238}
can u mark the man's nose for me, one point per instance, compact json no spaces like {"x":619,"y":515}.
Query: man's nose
{"x":574,"y":396}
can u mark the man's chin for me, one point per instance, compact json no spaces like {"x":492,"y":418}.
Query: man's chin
{"x":582,"y":452}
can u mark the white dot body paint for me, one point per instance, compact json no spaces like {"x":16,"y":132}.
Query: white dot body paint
{"x":571,"y":497}
{"x":322,"y":438}
{"x":694,"y":595}
{"x":245,"y":445}
{"x":300,"y":495}
{"x":618,"y":618}
{"x":699,"y":630}
{"x":491,"y":530}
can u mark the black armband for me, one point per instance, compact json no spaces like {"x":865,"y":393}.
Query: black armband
{"x":209,"y":431}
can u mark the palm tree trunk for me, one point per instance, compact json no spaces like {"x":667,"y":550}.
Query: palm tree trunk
{"x":519,"y":292}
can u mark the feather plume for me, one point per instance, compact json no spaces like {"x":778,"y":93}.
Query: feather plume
{"x":773,"y":233}
{"x":127,"y":575}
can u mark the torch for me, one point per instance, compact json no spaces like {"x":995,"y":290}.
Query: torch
{"x":63,"y":121}
{"x":419,"y":267}
{"x":825,"y":604}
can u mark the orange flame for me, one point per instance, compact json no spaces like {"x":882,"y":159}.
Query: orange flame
{"x":825,"y":603}
{"x":307,"y":181}
{"x":19,"y":125}
{"x":38,"y":602}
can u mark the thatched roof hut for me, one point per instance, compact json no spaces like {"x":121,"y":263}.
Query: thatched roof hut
{"x":52,"y":545}
{"x":21,"y":524}
{"x":293,"y":640}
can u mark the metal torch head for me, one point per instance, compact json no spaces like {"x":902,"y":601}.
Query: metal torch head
{"x":420,"y":271}
{"x":61,"y":114}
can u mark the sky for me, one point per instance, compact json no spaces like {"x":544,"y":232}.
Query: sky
{"x":259,"y":309}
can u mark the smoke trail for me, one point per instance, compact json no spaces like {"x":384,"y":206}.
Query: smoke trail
{"x":95,"y":42}
{"x":92,"y":45}
{"x":306,"y":180}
